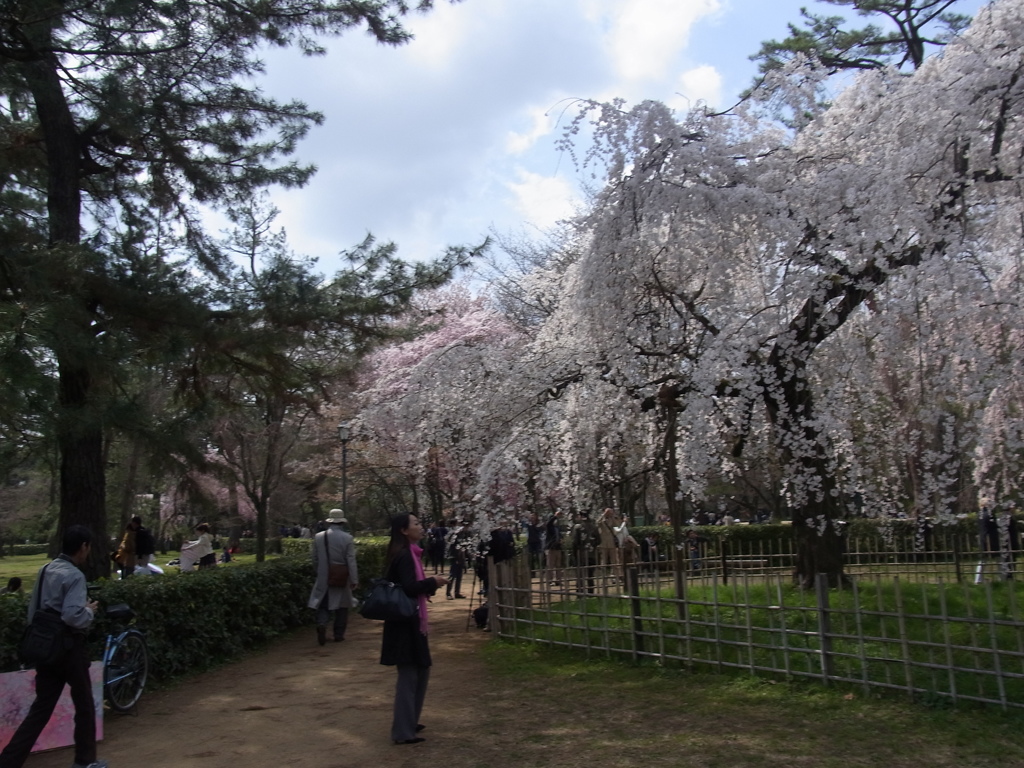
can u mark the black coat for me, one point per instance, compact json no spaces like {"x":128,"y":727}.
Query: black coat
{"x":403,"y":642}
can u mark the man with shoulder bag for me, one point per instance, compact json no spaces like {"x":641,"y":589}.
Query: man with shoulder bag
{"x":60,"y":591}
{"x":334,"y":561}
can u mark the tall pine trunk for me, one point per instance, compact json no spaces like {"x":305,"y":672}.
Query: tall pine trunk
{"x":79,"y":432}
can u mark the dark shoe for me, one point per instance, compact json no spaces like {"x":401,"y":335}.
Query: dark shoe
{"x":338,"y":639}
{"x":321,"y":635}
{"x":460,"y":597}
{"x":416,"y":740}
{"x":420,"y":727}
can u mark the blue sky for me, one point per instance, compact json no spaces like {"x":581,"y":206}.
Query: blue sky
{"x":440,"y":141}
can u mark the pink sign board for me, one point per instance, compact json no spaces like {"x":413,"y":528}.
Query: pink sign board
{"x":17,"y":690}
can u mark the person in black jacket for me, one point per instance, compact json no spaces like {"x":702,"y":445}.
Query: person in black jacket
{"x":405,"y":642}
{"x":145,"y":546}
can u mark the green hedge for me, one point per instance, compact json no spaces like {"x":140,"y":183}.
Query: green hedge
{"x":13,"y":609}
{"x":298,"y":547}
{"x":25,"y":549}
{"x":197,"y":619}
{"x":194,"y":620}
{"x":863,"y":528}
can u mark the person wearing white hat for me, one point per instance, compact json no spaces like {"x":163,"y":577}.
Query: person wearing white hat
{"x":334,"y":545}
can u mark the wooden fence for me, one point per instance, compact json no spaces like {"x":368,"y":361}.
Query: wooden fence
{"x":929,"y":626}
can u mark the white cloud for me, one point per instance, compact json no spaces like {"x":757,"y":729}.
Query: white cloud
{"x":542,"y":200}
{"x":542,"y":124}
{"x":645,"y":36}
{"x":438,"y":37}
{"x":702,"y":83}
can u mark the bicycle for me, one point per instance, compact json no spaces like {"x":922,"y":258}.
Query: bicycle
{"x":125,"y":661}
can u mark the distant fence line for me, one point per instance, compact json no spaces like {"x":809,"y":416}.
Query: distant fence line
{"x":943,"y":624}
{"x":934,"y":555}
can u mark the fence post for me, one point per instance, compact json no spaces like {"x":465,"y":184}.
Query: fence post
{"x":824,"y":626}
{"x":493,"y":597}
{"x":633,"y":588}
{"x":956,"y":558}
{"x":723,"y":546}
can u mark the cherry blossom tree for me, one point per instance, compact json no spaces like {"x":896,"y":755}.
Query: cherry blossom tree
{"x":435,"y":401}
{"x":728,"y":255}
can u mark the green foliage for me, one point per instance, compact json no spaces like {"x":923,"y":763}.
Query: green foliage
{"x":13,"y":609}
{"x":927,"y":636}
{"x":274,"y":546}
{"x":193,"y":620}
{"x":371,"y":554}
{"x":25,"y":549}
{"x":905,"y":29}
{"x":295,"y":547}
{"x":133,"y":115}
{"x":612,"y":712}
{"x":868,"y":530}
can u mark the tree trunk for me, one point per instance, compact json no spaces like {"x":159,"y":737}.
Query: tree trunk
{"x":82,"y":478}
{"x":818,"y":550}
{"x":261,"y":529}
{"x":79,"y":432}
{"x":816,"y":526}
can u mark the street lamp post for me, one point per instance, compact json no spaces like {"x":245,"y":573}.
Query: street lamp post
{"x":343,"y":435}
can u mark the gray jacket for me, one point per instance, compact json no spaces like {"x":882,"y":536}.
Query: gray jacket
{"x":63,"y":590}
{"x":342,"y":549}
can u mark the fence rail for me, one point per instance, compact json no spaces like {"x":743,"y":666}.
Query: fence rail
{"x":927,"y":626}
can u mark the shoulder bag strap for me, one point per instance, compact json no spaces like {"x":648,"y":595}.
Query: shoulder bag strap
{"x":42,"y":583}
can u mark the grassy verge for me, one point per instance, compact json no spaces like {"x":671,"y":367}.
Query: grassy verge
{"x":27,"y":566}
{"x":570,"y":711}
{"x":883,"y":632}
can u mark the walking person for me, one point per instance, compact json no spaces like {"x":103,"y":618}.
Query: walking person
{"x":125,"y":556}
{"x":405,"y":642}
{"x":535,"y":531}
{"x":145,"y":544}
{"x":60,"y":588}
{"x":458,"y":544}
{"x":553,"y":548}
{"x":333,"y":545}
{"x":585,"y":539}
{"x":608,"y":551}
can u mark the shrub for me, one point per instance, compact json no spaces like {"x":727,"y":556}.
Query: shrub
{"x":297,"y":547}
{"x":13,"y":609}
{"x":27,"y":549}
{"x":193,"y":620}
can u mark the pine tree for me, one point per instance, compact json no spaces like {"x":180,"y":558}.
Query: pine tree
{"x":121,"y":117}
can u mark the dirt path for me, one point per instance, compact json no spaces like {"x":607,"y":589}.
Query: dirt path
{"x":302,"y":705}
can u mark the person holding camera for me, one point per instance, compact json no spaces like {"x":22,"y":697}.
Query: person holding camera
{"x":404,"y":643}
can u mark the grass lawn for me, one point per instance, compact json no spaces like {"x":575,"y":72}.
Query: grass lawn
{"x":572,"y":711}
{"x":27,"y":566}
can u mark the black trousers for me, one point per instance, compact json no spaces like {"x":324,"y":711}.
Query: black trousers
{"x":50,"y":682}
{"x":455,"y":579}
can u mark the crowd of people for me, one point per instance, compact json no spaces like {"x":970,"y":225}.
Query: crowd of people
{"x":421,"y":561}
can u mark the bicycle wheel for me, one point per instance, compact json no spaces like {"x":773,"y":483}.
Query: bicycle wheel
{"x":124,"y":676}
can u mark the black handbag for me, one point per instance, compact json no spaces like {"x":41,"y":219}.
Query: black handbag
{"x":46,"y":638}
{"x":387,"y":601}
